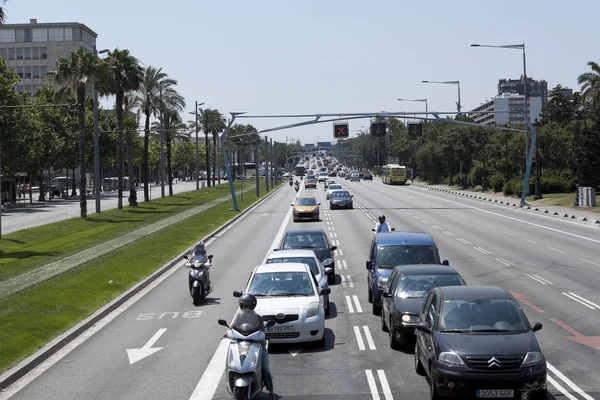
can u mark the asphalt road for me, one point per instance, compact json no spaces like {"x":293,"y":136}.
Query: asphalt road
{"x":42,"y":213}
{"x":555,"y":274}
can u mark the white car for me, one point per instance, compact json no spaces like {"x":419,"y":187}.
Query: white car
{"x":290,"y":294}
{"x":331,"y":188}
{"x":323,"y":176}
{"x":309,"y":258}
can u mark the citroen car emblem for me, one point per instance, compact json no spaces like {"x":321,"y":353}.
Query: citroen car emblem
{"x":280,"y":316}
{"x":493,"y":362}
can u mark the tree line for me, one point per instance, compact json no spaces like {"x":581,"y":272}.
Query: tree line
{"x":567,"y":153}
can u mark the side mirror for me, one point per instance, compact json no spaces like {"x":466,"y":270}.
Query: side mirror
{"x":446,"y":262}
{"x":328,"y":270}
{"x":275,"y":249}
{"x":369,"y":265}
{"x":222,"y":322}
{"x":292,"y":205}
{"x":351,"y":195}
{"x":328,"y":262}
{"x":186,"y":258}
{"x":536,"y":327}
{"x":332,"y":248}
{"x":373,"y":229}
{"x":270,"y":323}
{"x":210,"y":257}
{"x":318,"y":204}
{"x":393,"y":229}
{"x":326,"y":290}
{"x":423,"y":327}
{"x":237,"y":293}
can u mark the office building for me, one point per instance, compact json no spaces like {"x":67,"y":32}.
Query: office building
{"x":32,"y":49}
{"x":507,"y":108}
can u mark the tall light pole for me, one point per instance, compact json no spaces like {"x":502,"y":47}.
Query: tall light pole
{"x":457,"y":83}
{"x":195,"y":113}
{"x":420,"y":100}
{"x":97,"y":180}
{"x":162,"y":151}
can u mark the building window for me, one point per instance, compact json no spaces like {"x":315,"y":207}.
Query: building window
{"x":11,"y":53}
{"x":43,"y":70}
{"x":76,"y":34}
{"x":19,"y":88}
{"x":27,"y":35}
{"x":20,"y":35}
{"x":19,"y":53}
{"x":19,"y":70}
{"x":27,"y":70}
{"x":27,"y":53}
{"x":7,"y":35}
{"x":4,"y":53}
{"x":35,"y":72}
{"x":56,"y":34}
{"x":44,"y":53}
{"x":35,"y":53}
{"x":40,"y":34}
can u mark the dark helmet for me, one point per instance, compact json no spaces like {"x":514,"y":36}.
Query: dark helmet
{"x":381,"y":219}
{"x":247,"y":302}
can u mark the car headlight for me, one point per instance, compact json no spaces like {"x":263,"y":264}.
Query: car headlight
{"x":410,"y":319}
{"x":451,"y":358}
{"x":381,"y":281}
{"x":313,"y":309}
{"x":532,"y":358}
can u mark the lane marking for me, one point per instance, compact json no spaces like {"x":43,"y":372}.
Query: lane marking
{"x":449,"y":233}
{"x":349,"y":304}
{"x":590,"y":262}
{"x":338,"y":264}
{"x":436,"y":227}
{"x":359,"y":339}
{"x":343,"y":280}
{"x":349,"y":280}
{"x":530,"y":241}
{"x":482,"y":250}
{"x":357,"y":304}
{"x":569,"y":295}
{"x":585,"y":300}
{"x":340,"y":252}
{"x":333,"y":228}
{"x":560,"y":388}
{"x":344,"y":264}
{"x":569,"y":382}
{"x":477,"y":222}
{"x":334,"y":234}
{"x":463,"y":241}
{"x":538,"y":279}
{"x":372,"y":385}
{"x":508,"y":233}
{"x":503,"y":261}
{"x":369,"y":338}
{"x":490,"y":227}
{"x":387,"y":392}
{"x":558,"y":251}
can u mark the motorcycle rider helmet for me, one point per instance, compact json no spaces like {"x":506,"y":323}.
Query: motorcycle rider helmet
{"x":247,"y":302}
{"x":381,"y":219}
{"x":199,"y":248}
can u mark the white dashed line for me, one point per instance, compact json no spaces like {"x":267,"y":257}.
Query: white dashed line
{"x":477,"y":222}
{"x":508,"y":233}
{"x":344,"y":264}
{"x":448,"y":233}
{"x":349,"y":280}
{"x":357,"y":304}
{"x":530,"y":241}
{"x":349,"y":304}
{"x":589,"y":262}
{"x":343,"y":280}
{"x":490,"y":227}
{"x":558,"y":251}
{"x":538,"y":279}
{"x":505,"y":262}
{"x":482,"y":250}
{"x":436,"y":227}
{"x":582,"y":300}
{"x":463,"y":241}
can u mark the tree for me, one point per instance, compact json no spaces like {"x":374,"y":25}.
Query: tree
{"x":211,"y":122}
{"x":125,"y":76}
{"x":172,"y":127}
{"x":74,"y":72}
{"x":148,"y":101}
{"x":2,"y":14}
{"x":590,"y":86}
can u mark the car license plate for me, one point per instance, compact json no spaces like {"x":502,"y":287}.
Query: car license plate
{"x":280,"y":329}
{"x":495,"y":393}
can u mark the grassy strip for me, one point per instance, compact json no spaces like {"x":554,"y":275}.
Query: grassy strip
{"x":27,"y":249}
{"x":32,"y":318}
{"x":564,"y":200}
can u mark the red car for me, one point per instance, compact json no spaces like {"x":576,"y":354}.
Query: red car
{"x":310,"y":183}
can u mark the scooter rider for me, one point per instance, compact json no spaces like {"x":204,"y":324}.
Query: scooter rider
{"x":247,"y":315}
{"x":382,"y":226}
{"x":201,"y":256}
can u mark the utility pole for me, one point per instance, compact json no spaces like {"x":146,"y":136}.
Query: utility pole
{"x":272,"y":166}
{"x":276,"y":157}
{"x":257,"y":177}
{"x":97,"y":171}
{"x":162,"y":150}
{"x":197,"y":151}
{"x":267,"y":162}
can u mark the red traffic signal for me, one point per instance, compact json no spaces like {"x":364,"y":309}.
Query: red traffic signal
{"x":340,"y":131}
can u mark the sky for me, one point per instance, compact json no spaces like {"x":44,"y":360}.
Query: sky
{"x":268,"y":57}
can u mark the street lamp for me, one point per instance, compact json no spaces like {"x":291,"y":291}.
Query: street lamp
{"x":421,"y":100}
{"x":97,"y":182}
{"x":457,"y":83}
{"x":195,"y":113}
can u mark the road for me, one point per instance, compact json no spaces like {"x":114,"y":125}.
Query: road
{"x":42,"y":213}
{"x":551,"y":265}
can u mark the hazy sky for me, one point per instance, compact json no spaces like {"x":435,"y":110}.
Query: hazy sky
{"x":291,"y":57}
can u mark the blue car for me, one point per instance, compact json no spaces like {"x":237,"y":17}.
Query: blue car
{"x":391,"y":249}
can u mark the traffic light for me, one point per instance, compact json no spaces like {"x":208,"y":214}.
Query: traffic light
{"x":415,"y":130}
{"x":340,"y":131}
{"x":378,"y":129}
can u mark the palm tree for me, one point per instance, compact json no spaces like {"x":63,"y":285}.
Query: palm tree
{"x":74,"y":72}
{"x":148,"y":100}
{"x":2,"y":14}
{"x":211,"y":122}
{"x":590,"y":85}
{"x":126,"y":75}
{"x":174,"y":130}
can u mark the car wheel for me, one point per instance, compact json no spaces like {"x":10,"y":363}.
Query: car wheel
{"x":351,"y":206}
{"x":376,"y":310}
{"x":394,"y":344}
{"x":370,"y":296}
{"x":418,"y":366}
{"x":331,"y":278}
{"x":384,"y":326}
{"x":328,"y":309}
{"x":433,"y":394}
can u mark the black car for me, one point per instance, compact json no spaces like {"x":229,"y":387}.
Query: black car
{"x":476,"y":342}
{"x":340,"y":198}
{"x":404,"y":294}
{"x":312,"y":239}
{"x":368,"y":177}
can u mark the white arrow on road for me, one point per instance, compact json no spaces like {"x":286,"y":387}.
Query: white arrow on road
{"x":136,"y":355}
{"x":295,"y":352}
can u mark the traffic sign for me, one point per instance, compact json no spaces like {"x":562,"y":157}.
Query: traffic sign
{"x":415,"y":130}
{"x":378,"y":129}
{"x":340,"y":131}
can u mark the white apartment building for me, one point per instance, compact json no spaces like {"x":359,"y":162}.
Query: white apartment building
{"x":507,"y":108}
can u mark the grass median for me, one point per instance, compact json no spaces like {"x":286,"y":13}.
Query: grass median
{"x":564,"y":200}
{"x":32,"y":318}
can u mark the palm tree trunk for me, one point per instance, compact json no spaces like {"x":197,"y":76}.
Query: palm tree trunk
{"x":214,"y":149}
{"x":207,"y":144}
{"x":146,"y":152}
{"x":120,"y":148}
{"x":169,"y":171}
{"x":82,"y":192}
{"x":132,"y":190}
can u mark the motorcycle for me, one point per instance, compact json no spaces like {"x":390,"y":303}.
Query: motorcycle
{"x":199,"y":278}
{"x":291,"y":183}
{"x":244,"y":361}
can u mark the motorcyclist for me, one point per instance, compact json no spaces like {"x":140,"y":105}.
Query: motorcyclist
{"x":247,"y":315}
{"x":199,"y":254}
{"x":382,"y":225}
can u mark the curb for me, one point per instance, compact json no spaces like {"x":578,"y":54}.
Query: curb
{"x":507,"y":202}
{"x":14,"y":374}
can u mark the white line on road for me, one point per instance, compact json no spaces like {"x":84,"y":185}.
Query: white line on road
{"x":333,"y":228}
{"x":568,"y":382}
{"x":590,"y":262}
{"x":482,"y":250}
{"x":425,"y":221}
{"x":585,"y":300}
{"x":349,"y":280}
{"x":357,"y":304}
{"x":530,"y":241}
{"x":343,"y":280}
{"x":508,"y":233}
{"x":344,"y":264}
{"x":340,"y":252}
{"x":334,"y":234}
{"x":387,"y":392}
{"x":477,"y":222}
{"x":349,"y":304}
{"x":558,"y":251}
{"x":538,"y":279}
{"x":329,"y":227}
{"x":490,"y":227}
{"x":372,"y":385}
{"x":560,"y":388}
{"x":369,"y":338}
{"x":359,"y":339}
{"x":503,"y":261}
{"x":463,"y":241}
{"x":206,"y":388}
{"x":570,"y":295}
{"x":436,"y":227}
{"x":448,"y":233}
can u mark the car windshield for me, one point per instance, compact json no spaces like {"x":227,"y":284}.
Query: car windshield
{"x":304,"y":240}
{"x":306,"y":201}
{"x":335,"y":187}
{"x":340,"y":194}
{"x":310,"y":261}
{"x":419,"y":285}
{"x":393,"y":255}
{"x":312,"y":180}
{"x":481,"y":316}
{"x":281,"y":284}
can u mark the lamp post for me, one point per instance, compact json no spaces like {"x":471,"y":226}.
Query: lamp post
{"x":97,"y":181}
{"x":162,"y":151}
{"x":195,"y":113}
{"x":457,"y":83}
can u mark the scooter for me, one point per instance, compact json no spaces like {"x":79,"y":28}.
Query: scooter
{"x":244,"y":361}
{"x":291,"y":182}
{"x":297,"y":188}
{"x":199,"y":278}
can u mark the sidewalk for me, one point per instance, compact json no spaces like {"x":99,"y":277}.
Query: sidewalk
{"x":580,"y":215}
{"x":48,"y":271}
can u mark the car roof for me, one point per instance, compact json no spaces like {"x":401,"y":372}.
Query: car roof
{"x":474,"y":292}
{"x":305,"y":231}
{"x":281,"y":267}
{"x":409,"y":238}
{"x":306,"y":196}
{"x":292,"y":253}
{"x":426,"y":269}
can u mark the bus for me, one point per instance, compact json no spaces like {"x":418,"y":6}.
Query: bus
{"x":393,"y":174}
{"x":300,"y":170}
{"x":248,"y":173}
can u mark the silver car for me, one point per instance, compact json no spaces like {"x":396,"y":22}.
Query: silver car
{"x":306,"y":257}
{"x":355,"y":177}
